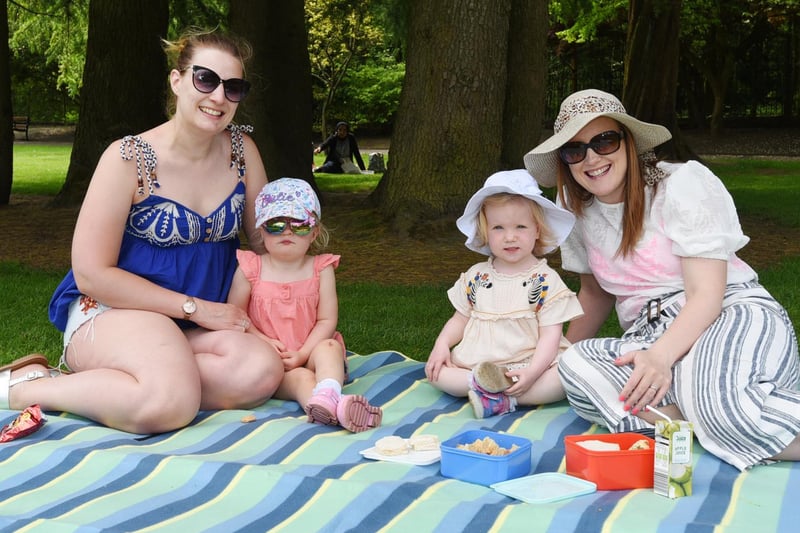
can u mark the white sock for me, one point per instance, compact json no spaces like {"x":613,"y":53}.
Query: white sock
{"x":328,"y":383}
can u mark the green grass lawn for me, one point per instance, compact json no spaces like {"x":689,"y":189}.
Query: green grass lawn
{"x":372,"y":317}
{"x":40,"y":168}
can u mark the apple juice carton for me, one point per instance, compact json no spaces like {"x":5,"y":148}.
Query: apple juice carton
{"x":672,"y":475}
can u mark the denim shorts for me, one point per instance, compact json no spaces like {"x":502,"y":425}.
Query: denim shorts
{"x":83,"y":309}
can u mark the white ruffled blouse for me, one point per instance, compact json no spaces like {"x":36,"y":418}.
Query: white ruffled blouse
{"x":691,"y":215}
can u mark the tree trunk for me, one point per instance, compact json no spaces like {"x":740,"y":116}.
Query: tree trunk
{"x":279,"y":105}
{"x":651,"y":67}
{"x":789,"y":81}
{"x":527,"y":80}
{"x":6,"y":113}
{"x":449,"y":129}
{"x":124,"y":83}
{"x":791,"y":104}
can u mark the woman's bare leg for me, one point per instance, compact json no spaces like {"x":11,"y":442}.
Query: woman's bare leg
{"x":133,"y":370}
{"x":237,"y":370}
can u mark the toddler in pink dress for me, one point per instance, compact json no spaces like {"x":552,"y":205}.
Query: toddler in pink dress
{"x":290,"y":297}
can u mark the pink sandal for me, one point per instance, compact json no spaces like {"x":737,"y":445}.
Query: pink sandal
{"x":321,"y":407}
{"x":356,"y":414}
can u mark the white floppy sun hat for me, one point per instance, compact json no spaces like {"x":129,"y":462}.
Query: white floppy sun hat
{"x":577,"y":110}
{"x":558,"y":220}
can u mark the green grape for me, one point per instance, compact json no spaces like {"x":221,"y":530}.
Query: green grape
{"x":676,"y":490}
{"x":680,"y":473}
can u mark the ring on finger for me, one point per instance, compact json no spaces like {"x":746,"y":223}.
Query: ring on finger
{"x":653,"y":387}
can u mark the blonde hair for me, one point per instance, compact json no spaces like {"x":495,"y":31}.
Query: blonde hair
{"x":322,"y":238}
{"x":545,"y":240}
{"x":575,"y":197}
{"x":181,"y":52}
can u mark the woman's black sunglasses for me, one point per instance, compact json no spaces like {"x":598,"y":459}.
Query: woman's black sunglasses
{"x":206,"y":81}
{"x":603,"y":144}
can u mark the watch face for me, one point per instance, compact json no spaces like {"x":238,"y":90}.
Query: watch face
{"x":189,"y":307}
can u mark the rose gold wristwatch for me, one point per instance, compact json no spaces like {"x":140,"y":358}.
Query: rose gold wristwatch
{"x":189,"y":307}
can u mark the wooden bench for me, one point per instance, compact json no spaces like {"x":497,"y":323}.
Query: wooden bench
{"x":21,"y":123}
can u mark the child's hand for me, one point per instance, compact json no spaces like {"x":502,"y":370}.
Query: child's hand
{"x":293,"y":359}
{"x":523,"y":381}
{"x":438,"y":358}
{"x":275,"y":343}
{"x":278,"y":345}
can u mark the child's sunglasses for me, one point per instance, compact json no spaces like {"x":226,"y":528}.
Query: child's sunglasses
{"x":206,"y":81}
{"x":603,"y":144}
{"x":276,"y":226}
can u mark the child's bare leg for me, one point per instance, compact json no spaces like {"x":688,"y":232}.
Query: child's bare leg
{"x":546,"y":389}
{"x":297,"y":385}
{"x":327,"y":361}
{"x":453,"y":380}
{"x":327,"y":404}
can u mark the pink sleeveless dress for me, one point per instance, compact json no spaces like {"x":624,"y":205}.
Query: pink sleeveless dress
{"x":285,"y":311}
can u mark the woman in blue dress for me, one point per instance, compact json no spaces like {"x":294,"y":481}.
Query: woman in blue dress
{"x":148,"y":336}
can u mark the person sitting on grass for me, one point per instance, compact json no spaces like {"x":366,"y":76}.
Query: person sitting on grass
{"x":501,"y":346}
{"x":340,"y":149}
{"x":291,"y":298}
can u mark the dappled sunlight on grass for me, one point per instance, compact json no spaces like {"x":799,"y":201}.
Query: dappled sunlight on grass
{"x":40,"y":168}
{"x":357,"y":183}
{"x":761,"y":187}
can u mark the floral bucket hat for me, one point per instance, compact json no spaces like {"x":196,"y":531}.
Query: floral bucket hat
{"x":286,"y":197}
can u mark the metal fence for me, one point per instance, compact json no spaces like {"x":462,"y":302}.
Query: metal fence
{"x":763,"y":87}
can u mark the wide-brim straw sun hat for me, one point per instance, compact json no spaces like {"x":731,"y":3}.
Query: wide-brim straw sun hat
{"x":576,"y":111}
{"x":558,"y":220}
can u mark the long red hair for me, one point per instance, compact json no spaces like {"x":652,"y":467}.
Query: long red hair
{"x":574,"y":197}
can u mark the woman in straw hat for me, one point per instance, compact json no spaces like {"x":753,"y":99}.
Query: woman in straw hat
{"x":704,"y":341}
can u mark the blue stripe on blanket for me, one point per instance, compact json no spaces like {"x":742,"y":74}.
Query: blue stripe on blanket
{"x":279,"y":472}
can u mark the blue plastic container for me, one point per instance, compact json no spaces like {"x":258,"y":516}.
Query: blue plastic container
{"x":481,"y":468}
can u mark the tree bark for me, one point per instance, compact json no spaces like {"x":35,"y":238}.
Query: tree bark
{"x":449,"y":129}
{"x":279,"y":105}
{"x":651,"y":67}
{"x":124,"y":83}
{"x":6,"y":113}
{"x":527,"y":80}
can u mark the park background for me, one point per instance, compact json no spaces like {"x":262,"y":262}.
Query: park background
{"x":449,"y":91}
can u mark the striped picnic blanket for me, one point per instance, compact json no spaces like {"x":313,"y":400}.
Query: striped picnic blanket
{"x":281,"y":473}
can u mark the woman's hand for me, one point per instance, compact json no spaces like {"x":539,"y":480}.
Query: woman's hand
{"x":220,"y":316}
{"x":704,"y":282}
{"x":650,"y":380}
